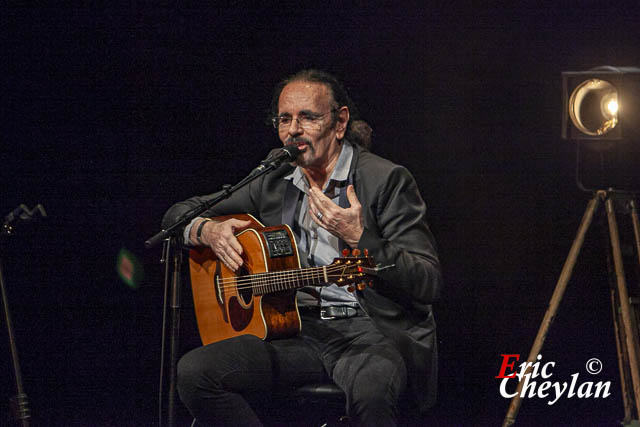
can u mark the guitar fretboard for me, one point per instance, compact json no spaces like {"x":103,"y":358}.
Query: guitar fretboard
{"x":277,"y":281}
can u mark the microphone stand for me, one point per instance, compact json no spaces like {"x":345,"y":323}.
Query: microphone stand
{"x":19,"y":402}
{"x":172,"y":234}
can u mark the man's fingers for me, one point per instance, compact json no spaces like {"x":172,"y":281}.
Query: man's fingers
{"x":312,"y":207}
{"x":231,"y":265}
{"x":232,"y":251}
{"x":236,"y":227}
{"x":351,"y":196}
{"x":319,"y":197}
{"x":234,"y":259}
{"x":314,"y":218}
{"x":323,"y":204}
{"x":225,"y":244}
{"x":235,"y":245}
{"x":231,"y":259}
{"x":239,"y":225}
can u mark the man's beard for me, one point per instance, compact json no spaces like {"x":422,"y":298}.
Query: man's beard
{"x":300,"y":161}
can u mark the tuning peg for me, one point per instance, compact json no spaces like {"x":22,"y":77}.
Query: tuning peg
{"x":366,"y":252}
{"x":356,"y":252}
{"x":350,"y":288}
{"x":361,"y":286}
{"x":345,"y":252}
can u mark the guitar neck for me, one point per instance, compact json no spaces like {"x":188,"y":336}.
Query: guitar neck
{"x":278,"y":281}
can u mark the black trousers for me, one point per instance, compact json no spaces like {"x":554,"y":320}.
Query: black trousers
{"x":215,"y":381}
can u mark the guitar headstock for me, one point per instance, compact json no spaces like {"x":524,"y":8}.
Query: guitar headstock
{"x":350,"y":270}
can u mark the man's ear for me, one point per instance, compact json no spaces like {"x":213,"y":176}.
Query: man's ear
{"x":341,"y":123}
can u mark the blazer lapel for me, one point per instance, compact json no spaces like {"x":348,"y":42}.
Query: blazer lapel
{"x":289,"y":202}
{"x":343,"y":201}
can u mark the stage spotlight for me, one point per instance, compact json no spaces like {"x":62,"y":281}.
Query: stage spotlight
{"x":593,"y":107}
{"x":601,"y":104}
{"x":601,"y":112}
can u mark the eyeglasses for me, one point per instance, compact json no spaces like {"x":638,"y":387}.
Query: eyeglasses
{"x":306,"y":121}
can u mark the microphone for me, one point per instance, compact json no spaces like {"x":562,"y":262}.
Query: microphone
{"x":288,"y":153}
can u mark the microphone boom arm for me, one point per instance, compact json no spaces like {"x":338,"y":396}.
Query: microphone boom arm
{"x":286,"y":153}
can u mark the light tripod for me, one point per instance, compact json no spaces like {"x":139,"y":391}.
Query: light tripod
{"x":627,"y":345}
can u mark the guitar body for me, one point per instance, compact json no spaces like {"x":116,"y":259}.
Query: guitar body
{"x":225,"y":303}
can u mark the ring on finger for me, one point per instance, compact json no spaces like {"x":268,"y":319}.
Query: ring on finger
{"x":319,"y":216}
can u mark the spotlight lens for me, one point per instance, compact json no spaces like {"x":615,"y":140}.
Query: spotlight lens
{"x":593,"y":107}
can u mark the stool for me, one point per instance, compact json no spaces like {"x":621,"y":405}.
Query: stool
{"x":322,"y":401}
{"x":326,"y":397}
{"x":320,"y":390}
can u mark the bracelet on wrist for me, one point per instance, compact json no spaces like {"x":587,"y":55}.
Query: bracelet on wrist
{"x":200,"y":227}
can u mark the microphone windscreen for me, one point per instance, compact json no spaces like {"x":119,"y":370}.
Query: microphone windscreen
{"x":292,"y":151}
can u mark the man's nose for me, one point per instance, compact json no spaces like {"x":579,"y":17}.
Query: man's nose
{"x":294,"y":127}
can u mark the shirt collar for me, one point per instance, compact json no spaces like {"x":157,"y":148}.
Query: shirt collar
{"x":340,"y":171}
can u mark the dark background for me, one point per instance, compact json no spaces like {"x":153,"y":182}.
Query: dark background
{"x":113,"y":114}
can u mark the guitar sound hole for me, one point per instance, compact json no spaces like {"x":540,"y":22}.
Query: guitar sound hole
{"x":244,"y":287}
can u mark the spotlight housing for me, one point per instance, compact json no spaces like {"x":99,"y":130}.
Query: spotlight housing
{"x":601,"y":113}
{"x":601,"y":104}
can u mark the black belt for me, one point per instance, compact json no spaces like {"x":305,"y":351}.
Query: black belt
{"x":332,"y":312}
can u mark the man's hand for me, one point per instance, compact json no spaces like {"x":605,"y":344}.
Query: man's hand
{"x":220,"y":237}
{"x":346,"y":224}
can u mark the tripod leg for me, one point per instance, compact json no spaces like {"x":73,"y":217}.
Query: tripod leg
{"x":635,"y":312}
{"x":550,"y":315}
{"x":623,"y":360}
{"x":630,"y":334}
{"x":636,"y":226}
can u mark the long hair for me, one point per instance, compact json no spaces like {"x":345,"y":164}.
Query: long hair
{"x":358,"y":131}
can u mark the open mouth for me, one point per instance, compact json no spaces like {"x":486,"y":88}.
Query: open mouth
{"x":302,"y":145}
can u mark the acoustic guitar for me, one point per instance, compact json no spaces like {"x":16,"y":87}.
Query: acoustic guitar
{"x":259,"y":299}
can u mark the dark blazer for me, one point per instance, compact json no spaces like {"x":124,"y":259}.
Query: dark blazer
{"x":395,"y":232}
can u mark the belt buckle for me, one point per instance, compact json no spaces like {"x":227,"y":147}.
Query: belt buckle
{"x":323,"y":317}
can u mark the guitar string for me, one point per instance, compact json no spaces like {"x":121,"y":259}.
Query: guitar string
{"x":270,"y":278}
{"x":303,"y":271}
{"x":274,"y":278}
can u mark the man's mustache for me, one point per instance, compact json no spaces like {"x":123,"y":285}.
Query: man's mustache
{"x":298,"y":141}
